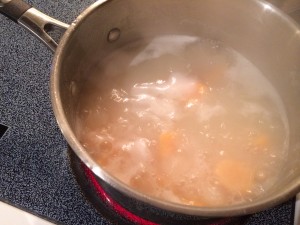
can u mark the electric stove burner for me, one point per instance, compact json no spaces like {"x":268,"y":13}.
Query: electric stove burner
{"x":108,"y":207}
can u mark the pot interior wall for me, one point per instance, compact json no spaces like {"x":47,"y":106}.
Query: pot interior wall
{"x":254,"y":29}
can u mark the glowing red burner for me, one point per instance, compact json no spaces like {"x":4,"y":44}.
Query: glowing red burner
{"x":135,"y":212}
{"x":113,"y":204}
{"x":129,"y":216}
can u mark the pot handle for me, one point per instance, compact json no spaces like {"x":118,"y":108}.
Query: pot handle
{"x":38,"y":23}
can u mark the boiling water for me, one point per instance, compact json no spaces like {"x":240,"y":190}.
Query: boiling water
{"x":185,"y":120}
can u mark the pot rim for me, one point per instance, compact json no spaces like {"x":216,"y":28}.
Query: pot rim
{"x":235,"y":210}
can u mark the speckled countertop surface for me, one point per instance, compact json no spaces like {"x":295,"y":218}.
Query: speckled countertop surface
{"x":35,"y":173}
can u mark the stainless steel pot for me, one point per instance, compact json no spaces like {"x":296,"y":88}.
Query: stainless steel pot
{"x":262,"y":33}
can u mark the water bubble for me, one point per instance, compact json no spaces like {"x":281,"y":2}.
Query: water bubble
{"x":73,"y":88}
{"x":113,"y":35}
{"x":260,"y":175}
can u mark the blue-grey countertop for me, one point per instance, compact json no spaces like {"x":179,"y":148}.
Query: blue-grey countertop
{"x":34,"y":170}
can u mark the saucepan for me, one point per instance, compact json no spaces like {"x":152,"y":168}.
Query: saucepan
{"x":256,"y":29}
